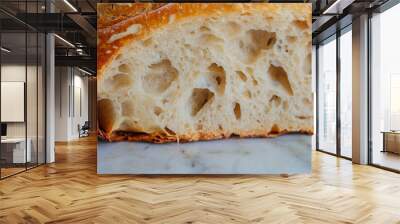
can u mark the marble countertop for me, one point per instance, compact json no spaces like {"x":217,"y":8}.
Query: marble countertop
{"x":284,"y":154}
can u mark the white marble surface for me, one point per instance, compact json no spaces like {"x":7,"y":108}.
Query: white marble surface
{"x":285,"y":154}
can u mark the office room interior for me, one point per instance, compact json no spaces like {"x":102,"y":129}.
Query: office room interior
{"x":50,"y":164}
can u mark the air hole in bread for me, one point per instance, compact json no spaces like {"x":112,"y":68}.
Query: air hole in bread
{"x":119,"y":82}
{"x":199,"y":127}
{"x":160,"y":77}
{"x":233,"y":28}
{"x":210,"y":39}
{"x":124,"y":68}
{"x":302,"y":117}
{"x":169,"y":131}
{"x":285,"y":105}
{"x":255,"y":82}
{"x":200,"y":97}
{"x":274,"y":129}
{"x":242,"y":76}
{"x":279,"y":75}
{"x":220,"y":127}
{"x":250,"y":71}
{"x":218,"y":72}
{"x":237,"y":111}
{"x":247,"y":94}
{"x":106,"y":115}
{"x":275,"y":100}
{"x":148,"y":42}
{"x":241,"y":44}
{"x":204,"y":29}
{"x":301,"y":24}
{"x":291,"y":39}
{"x":259,"y":40}
{"x":307,"y":64}
{"x":127,"y":108}
{"x":188,"y":46}
{"x":157,"y":110}
{"x":306,"y":101}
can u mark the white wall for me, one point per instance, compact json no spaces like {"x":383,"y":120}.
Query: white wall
{"x":70,"y":83}
{"x":79,"y":117}
{"x":62,"y":81}
{"x":15,"y":72}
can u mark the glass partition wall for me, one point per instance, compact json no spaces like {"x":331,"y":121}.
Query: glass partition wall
{"x":334,"y":90}
{"x":22,"y":77}
{"x":13,"y":90}
{"x":385,"y":89}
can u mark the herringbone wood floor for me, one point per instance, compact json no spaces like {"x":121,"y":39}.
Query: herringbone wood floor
{"x":70,"y":191}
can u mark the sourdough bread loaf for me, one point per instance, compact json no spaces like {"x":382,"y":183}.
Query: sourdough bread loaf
{"x":188,"y":72}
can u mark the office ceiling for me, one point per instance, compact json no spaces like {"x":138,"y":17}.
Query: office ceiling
{"x":76,"y":21}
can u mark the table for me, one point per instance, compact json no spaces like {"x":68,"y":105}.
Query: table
{"x":391,"y":141}
{"x":16,"y":147}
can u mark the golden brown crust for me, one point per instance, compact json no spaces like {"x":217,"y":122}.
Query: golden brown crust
{"x":109,"y":14}
{"x":153,"y":18}
{"x":160,"y":137}
{"x":117,"y":18}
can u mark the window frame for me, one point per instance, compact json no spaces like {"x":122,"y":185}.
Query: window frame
{"x":334,"y":37}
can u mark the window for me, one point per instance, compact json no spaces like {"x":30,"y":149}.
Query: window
{"x":385,"y":89}
{"x":346,"y":92}
{"x":394,"y":117}
{"x":327,"y":96}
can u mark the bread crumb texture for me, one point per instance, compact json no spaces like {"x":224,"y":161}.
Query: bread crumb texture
{"x":188,"y":72}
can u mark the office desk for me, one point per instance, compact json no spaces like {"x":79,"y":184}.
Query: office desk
{"x":16,"y":147}
{"x":391,"y":141}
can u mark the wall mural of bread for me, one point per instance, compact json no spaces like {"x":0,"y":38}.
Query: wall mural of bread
{"x":183,"y":72}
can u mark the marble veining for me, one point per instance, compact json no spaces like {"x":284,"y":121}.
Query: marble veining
{"x":285,"y":154}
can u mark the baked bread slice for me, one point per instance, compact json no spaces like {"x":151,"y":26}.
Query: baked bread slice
{"x":188,"y":72}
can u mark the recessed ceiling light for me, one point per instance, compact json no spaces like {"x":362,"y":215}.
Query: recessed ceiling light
{"x":70,"y":5}
{"x":84,"y":71}
{"x":337,"y":7}
{"x":5,"y":50}
{"x":64,"y":40}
